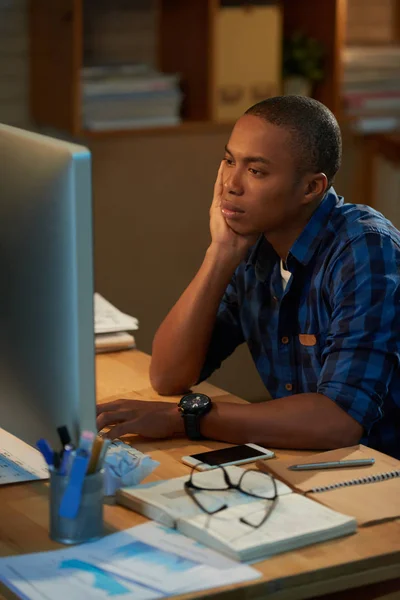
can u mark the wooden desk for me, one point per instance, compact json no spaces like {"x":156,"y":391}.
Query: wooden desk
{"x":369,"y":556}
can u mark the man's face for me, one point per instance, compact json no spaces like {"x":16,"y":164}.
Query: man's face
{"x":261,"y":189}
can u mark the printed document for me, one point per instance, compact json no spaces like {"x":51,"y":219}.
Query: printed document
{"x":19,"y":461}
{"x":144,"y":562}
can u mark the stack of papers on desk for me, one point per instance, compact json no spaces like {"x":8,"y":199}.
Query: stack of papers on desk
{"x":111,"y":327}
{"x":144,"y":562}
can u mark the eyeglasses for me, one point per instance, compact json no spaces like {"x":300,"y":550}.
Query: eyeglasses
{"x":252,"y":482}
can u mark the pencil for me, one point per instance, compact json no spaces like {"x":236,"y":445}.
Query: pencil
{"x":94,"y":457}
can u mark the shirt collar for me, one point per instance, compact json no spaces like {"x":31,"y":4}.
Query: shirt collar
{"x":308,"y":241}
{"x":261,"y":257}
{"x":262,"y":254}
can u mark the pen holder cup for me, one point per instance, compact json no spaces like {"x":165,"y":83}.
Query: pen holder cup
{"x":87,"y":525}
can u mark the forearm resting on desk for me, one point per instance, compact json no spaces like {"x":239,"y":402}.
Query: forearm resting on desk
{"x":308,"y":421}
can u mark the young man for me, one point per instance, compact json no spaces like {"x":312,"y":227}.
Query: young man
{"x":310,"y":283}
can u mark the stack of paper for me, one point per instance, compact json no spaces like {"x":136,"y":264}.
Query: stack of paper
{"x":129,"y":96}
{"x":111,"y":326}
{"x":144,"y":562}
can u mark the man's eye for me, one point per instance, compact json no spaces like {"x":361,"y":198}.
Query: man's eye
{"x":228,"y":161}
{"x":256,"y":172}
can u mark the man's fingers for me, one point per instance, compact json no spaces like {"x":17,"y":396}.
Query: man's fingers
{"x":113,"y":405}
{"x":113,"y":416}
{"x":121,"y":429}
{"x":120,"y":404}
{"x":218,"y":187}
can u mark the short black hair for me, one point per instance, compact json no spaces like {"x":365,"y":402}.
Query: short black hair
{"x":315,"y":132}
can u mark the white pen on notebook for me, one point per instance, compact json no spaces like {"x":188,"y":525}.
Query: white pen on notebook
{"x":335,"y":464}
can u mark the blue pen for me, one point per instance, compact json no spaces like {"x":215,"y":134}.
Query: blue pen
{"x":46,"y":450}
{"x":71,"y":499}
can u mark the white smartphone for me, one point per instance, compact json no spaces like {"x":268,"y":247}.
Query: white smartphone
{"x":235,"y":455}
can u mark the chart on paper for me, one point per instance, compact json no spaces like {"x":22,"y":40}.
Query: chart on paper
{"x":18,"y":461}
{"x":81,"y":579}
{"x":155,"y":563}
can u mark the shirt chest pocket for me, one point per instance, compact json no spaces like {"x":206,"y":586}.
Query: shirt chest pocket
{"x":309,"y":348}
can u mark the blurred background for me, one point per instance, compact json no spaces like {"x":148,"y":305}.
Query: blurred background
{"x":153,"y":88}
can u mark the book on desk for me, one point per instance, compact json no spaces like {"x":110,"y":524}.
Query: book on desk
{"x":112,"y":342}
{"x":371,"y":494}
{"x":295,"y":521}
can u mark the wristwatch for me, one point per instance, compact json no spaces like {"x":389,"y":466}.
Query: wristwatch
{"x":193,"y":407}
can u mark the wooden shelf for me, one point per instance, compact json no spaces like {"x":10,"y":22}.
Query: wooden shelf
{"x":325,"y":21}
{"x":387,"y":145}
{"x":187,"y":34}
{"x":376,"y":114}
{"x":187,"y":127}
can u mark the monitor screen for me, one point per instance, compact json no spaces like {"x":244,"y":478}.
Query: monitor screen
{"x":47,"y":372}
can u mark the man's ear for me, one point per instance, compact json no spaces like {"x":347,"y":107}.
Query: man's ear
{"x":315,"y":188}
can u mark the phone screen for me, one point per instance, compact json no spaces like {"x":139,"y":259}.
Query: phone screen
{"x":227,"y":455}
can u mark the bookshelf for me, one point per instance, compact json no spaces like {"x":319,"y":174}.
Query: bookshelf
{"x":66,"y":35}
{"x":371,"y":66}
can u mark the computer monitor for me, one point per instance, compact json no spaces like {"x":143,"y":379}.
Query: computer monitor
{"x":47,"y":370}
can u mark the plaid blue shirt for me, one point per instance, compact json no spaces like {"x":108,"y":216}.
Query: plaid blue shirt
{"x":335,"y":329}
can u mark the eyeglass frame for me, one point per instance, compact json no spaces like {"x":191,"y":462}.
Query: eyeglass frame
{"x":189,"y":486}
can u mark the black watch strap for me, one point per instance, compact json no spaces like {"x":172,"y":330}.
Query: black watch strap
{"x":192,"y":426}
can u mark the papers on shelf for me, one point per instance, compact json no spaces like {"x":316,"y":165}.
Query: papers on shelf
{"x":148,"y":561}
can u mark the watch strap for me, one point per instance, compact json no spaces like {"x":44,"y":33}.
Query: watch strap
{"x":192,"y":426}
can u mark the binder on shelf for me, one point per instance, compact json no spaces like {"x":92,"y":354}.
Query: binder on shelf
{"x":247,"y":42}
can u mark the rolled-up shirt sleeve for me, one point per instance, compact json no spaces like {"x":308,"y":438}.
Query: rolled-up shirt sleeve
{"x":362,"y":349}
{"x":227,"y":333}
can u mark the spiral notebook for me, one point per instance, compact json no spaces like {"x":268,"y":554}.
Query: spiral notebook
{"x":370,"y":493}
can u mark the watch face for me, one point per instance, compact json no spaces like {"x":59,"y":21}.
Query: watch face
{"x":194,"y":403}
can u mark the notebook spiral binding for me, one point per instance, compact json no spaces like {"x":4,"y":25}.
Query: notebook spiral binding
{"x":361,"y":480}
